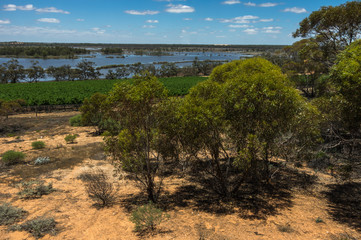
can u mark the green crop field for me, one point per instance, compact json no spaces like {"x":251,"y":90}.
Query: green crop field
{"x":74,"y":92}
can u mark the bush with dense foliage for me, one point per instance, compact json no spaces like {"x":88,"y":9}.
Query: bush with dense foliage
{"x":76,"y":121}
{"x":12,"y":157}
{"x":9,"y":214}
{"x":147,"y":217}
{"x":37,"y":227}
{"x":38,"y":145}
{"x":70,"y":138}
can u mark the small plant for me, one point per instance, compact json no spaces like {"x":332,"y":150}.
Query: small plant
{"x":10,"y":215}
{"x":34,"y":189}
{"x":98,"y":187}
{"x":12,"y":157}
{"x":38,"y":227}
{"x":71,"y":138}
{"x":285,"y":228}
{"x":41,"y":160}
{"x":10,"y":135}
{"x":38,"y":145}
{"x":319,"y":220}
{"x":147,"y":217}
{"x":76,"y":121}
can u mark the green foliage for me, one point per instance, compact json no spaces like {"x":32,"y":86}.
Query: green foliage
{"x":10,"y":107}
{"x":76,"y":121}
{"x":12,"y":157}
{"x":34,"y":189}
{"x":91,"y":111}
{"x":9,"y":214}
{"x":74,"y":92}
{"x":147,"y":217}
{"x":346,"y":74}
{"x":38,"y":227}
{"x":70,"y":138}
{"x":43,"y":51}
{"x":38,"y":145}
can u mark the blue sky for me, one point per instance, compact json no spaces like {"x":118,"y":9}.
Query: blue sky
{"x":155,"y":21}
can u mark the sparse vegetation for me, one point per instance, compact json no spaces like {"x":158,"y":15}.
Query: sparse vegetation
{"x":71,"y":138}
{"x":12,"y":157}
{"x":10,"y":215}
{"x":76,"y":121}
{"x":147,"y":217}
{"x":38,"y":227}
{"x":41,"y":160}
{"x":99,"y":187}
{"x":34,"y":189}
{"x":38,"y":145}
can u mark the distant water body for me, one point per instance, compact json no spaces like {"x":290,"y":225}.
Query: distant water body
{"x":180,"y":58}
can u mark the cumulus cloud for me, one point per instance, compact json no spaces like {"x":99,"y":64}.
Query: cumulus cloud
{"x":267,"y":4}
{"x":98,"y":30}
{"x":239,"y":26}
{"x":51,"y":10}
{"x":13,"y":7}
{"x":231,"y":2}
{"x":295,"y":10}
{"x":273,"y":30}
{"x":266,"y":20}
{"x":239,"y":20}
{"x":152,"y":21}
{"x":179,"y":8}
{"x":49,"y":20}
{"x":251,"y":31}
{"x":146,"y":12}
{"x":7,"y":21}
{"x":208,"y":19}
{"x":148,"y":26}
{"x":187,"y":19}
{"x":250,"y":4}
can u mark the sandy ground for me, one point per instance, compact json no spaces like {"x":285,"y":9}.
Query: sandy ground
{"x":78,"y":218}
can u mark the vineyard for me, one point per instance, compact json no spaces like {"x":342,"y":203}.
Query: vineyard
{"x":74,"y":92}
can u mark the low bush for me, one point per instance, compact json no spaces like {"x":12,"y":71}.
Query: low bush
{"x":147,"y":217}
{"x":71,"y":138}
{"x":12,"y":157}
{"x":34,"y":189}
{"x":38,"y":145}
{"x":41,"y":160}
{"x":76,"y":121}
{"x":10,"y":215}
{"x":38,"y":227}
{"x":98,"y":187}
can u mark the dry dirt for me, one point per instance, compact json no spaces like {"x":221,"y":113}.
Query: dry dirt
{"x":286,"y":214}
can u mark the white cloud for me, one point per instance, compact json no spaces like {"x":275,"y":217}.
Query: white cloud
{"x":251,"y":31}
{"x":268,"y":4}
{"x":148,"y":26}
{"x":220,"y":36}
{"x":49,"y":20}
{"x":187,"y":19}
{"x":98,"y":30}
{"x":146,"y":12}
{"x":295,"y":10}
{"x":230,"y":2}
{"x":152,"y":21}
{"x":239,"y":20}
{"x":208,"y":19}
{"x":13,"y":7}
{"x":266,"y":20}
{"x":51,"y":10}
{"x":179,"y":8}
{"x":250,"y":4}
{"x":7,"y":21}
{"x":239,"y":26}
{"x":80,"y":20}
{"x":272,"y":31}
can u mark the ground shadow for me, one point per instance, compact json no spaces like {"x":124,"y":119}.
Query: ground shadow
{"x":252,"y":201}
{"x":344,"y":202}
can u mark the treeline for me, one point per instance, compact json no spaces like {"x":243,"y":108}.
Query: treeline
{"x":41,"y":52}
{"x":13,"y":72}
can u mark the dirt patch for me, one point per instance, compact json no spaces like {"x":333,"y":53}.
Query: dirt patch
{"x":296,"y":205}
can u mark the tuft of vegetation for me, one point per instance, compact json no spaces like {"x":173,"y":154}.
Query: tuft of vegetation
{"x":41,"y":160}
{"x":34,"y":189}
{"x":38,"y":227}
{"x":71,"y":138}
{"x":98,"y":187}
{"x":319,"y":220}
{"x":147,"y":217}
{"x":10,"y":215}
{"x":285,"y":228}
{"x":12,"y":157}
{"x":38,"y":145}
{"x":76,"y":121}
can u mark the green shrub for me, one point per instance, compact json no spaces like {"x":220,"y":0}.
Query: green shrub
{"x":9,"y":214}
{"x":147,"y":217}
{"x":71,"y":138}
{"x":12,"y":157}
{"x":38,"y":145}
{"x":76,"y":121}
{"x":38,"y":227}
{"x":34,"y":189}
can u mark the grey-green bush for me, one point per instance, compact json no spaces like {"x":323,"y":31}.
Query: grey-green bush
{"x":76,"y":121}
{"x":10,"y":215}
{"x":147,"y":217}
{"x":38,"y":227}
{"x":34,"y":189}
{"x":12,"y":157}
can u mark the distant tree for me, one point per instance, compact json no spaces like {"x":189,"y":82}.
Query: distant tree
{"x":87,"y":70}
{"x":14,"y":72}
{"x":119,"y":73}
{"x":35,"y":72}
{"x":168,"y":70}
